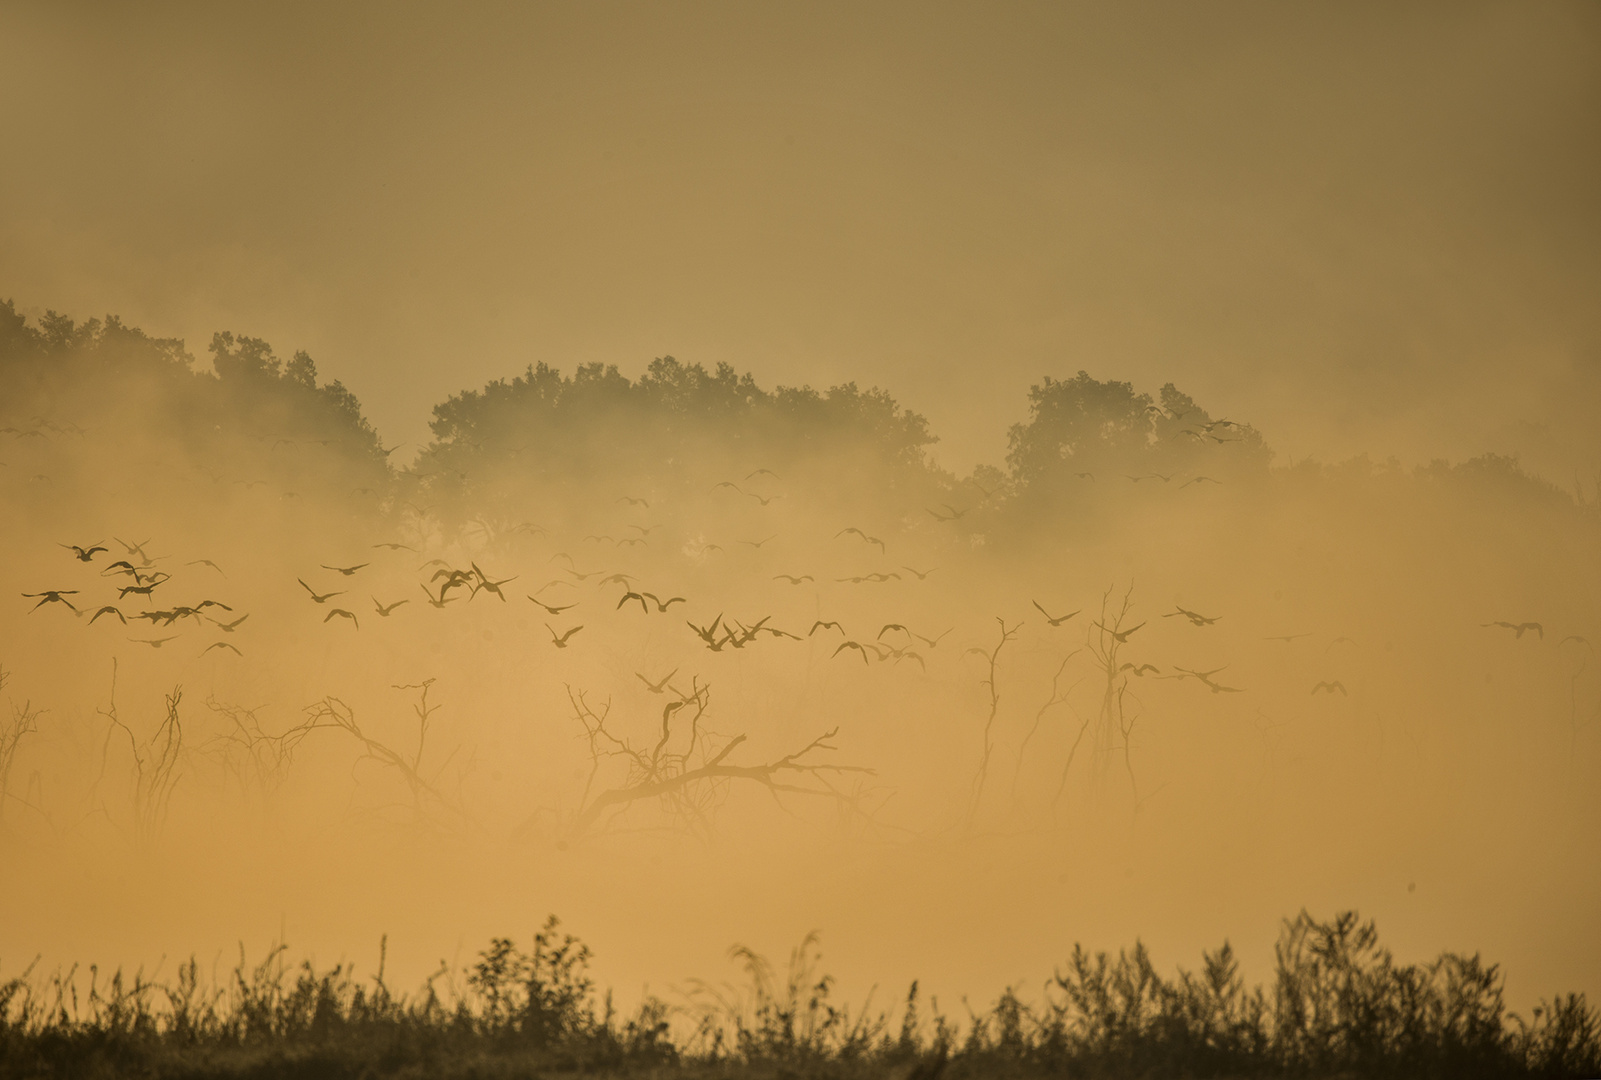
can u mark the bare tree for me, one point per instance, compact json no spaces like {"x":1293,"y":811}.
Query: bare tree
{"x":256,"y":760}
{"x":1105,"y":638}
{"x":990,"y":657}
{"x":155,"y":761}
{"x":1058,"y":697}
{"x":334,"y":713}
{"x":22,"y":722}
{"x":686,"y":767}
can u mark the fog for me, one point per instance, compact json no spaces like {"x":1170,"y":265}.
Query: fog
{"x":1070,"y":516}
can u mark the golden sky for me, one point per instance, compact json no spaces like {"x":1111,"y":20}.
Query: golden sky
{"x":1363,"y":227}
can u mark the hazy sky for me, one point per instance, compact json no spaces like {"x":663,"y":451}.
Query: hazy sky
{"x":1362,"y":226}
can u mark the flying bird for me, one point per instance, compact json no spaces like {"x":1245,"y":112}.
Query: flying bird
{"x":1195,"y":618}
{"x":229,"y":628}
{"x":921,"y":575}
{"x":85,"y":554}
{"x":343,"y":614}
{"x":488,"y":586}
{"x":322,"y":599}
{"x":663,"y":605}
{"x":394,"y":547}
{"x":859,"y":647}
{"x":792,"y":579}
{"x":1330,"y":687}
{"x":206,"y":562}
{"x":442,"y":600}
{"x":553,"y":609}
{"x":1056,"y":620}
{"x":865,"y":538}
{"x":52,"y":596}
{"x":1122,"y":636}
{"x":1519,"y":627}
{"x":821,"y":625}
{"x":108,"y":610}
{"x":220,"y":645}
{"x":1287,"y":637}
{"x":932,"y":642}
{"x":384,"y":611}
{"x":345,"y":570}
{"x":154,"y":643}
{"x":658,"y":687}
{"x":560,"y":640}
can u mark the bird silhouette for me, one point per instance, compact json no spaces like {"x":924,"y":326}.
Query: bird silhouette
{"x":345,"y":570}
{"x":1287,"y":637}
{"x":140,"y":590}
{"x":865,"y":538}
{"x":108,"y":610}
{"x":657,"y":687}
{"x":763,"y":472}
{"x":859,"y":647}
{"x":1140,"y":669}
{"x":394,"y":547}
{"x":757,"y":543}
{"x":322,"y":598}
{"x":663,"y":605}
{"x":792,"y":579}
{"x":1122,"y":636}
{"x":1330,"y":687}
{"x":632,"y":501}
{"x":220,"y":645}
{"x":892,"y":626}
{"x":822,"y":625}
{"x":921,"y":575}
{"x":954,"y":515}
{"x":442,"y":599}
{"x":932,"y":642}
{"x":52,"y":596}
{"x":760,"y":499}
{"x":1198,"y":480}
{"x":1520,"y":627}
{"x":1054,"y":620}
{"x":560,"y":640}
{"x":135,"y":549}
{"x":229,"y":628}
{"x":384,"y":610}
{"x":708,"y":633}
{"x":343,"y":614}
{"x":627,"y":596}
{"x":206,"y":562}
{"x":154,"y":643}
{"x":1195,"y":618}
{"x":85,"y":554}
{"x":486,"y":585}
{"x":550,"y":609}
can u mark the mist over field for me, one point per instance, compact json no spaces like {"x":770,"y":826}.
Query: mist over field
{"x":1136,"y":680}
{"x":965,"y":485}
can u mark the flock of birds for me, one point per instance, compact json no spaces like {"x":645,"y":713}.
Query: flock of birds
{"x":137,"y":575}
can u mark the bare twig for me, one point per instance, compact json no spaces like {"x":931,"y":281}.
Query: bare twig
{"x":989,"y":721}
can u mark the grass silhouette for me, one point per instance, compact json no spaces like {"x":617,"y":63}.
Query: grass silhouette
{"x":1339,"y":1005}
